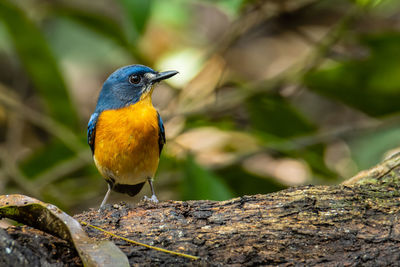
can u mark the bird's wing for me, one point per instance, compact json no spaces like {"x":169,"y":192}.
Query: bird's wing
{"x":92,"y":130}
{"x":161,"y":133}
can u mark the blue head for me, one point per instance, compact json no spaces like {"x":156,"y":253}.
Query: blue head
{"x":128,"y":85}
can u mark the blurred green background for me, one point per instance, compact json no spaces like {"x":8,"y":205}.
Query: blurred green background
{"x":270,"y":94}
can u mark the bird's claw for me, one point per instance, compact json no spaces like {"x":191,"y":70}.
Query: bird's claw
{"x":152,"y":199}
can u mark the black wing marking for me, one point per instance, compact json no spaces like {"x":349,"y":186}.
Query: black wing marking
{"x":91,"y":131}
{"x":161,"y":133}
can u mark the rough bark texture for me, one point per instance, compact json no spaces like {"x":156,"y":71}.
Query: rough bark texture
{"x":356,"y":223}
{"x":24,"y":246}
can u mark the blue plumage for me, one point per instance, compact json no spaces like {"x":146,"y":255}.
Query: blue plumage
{"x":118,"y":92}
{"x":91,"y":130}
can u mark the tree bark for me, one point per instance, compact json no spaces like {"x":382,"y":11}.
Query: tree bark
{"x":356,"y":223}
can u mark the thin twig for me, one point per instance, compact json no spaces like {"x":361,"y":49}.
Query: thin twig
{"x":45,"y":122}
{"x":60,"y":170}
{"x":142,"y":244}
{"x":11,"y":170}
{"x":292,"y":75}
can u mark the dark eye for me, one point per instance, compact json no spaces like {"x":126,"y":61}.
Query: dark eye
{"x":134,"y":79}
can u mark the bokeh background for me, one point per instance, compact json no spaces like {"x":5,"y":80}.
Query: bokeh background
{"x":270,"y":94}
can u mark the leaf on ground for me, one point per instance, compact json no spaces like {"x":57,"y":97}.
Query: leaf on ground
{"x":51,"y":219}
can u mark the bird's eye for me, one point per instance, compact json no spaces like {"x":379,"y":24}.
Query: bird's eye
{"x":134,"y":79}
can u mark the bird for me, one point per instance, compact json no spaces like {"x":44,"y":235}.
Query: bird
{"x":126,"y":133}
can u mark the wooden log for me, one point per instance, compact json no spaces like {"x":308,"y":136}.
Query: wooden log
{"x":356,"y":223}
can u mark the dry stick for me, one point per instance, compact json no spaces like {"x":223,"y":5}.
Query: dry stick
{"x":142,"y":244}
{"x":290,"y":75}
{"x":58,"y":130}
{"x":257,"y":13}
{"x":294,"y":74}
{"x":11,"y":170}
{"x":324,"y":137}
{"x":9,"y":157}
{"x":70,"y":165}
{"x":10,"y":100}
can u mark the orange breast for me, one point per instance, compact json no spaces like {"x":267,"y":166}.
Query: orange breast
{"x":126,"y":143}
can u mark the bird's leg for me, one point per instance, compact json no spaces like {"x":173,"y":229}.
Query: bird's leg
{"x":105,"y":197}
{"x":153,"y":194}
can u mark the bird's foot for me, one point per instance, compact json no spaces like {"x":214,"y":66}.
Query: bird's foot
{"x":152,"y":199}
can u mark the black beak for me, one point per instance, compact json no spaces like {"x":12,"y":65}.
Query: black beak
{"x":163,"y":75}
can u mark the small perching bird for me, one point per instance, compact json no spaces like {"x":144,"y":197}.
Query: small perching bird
{"x":125,"y":132}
